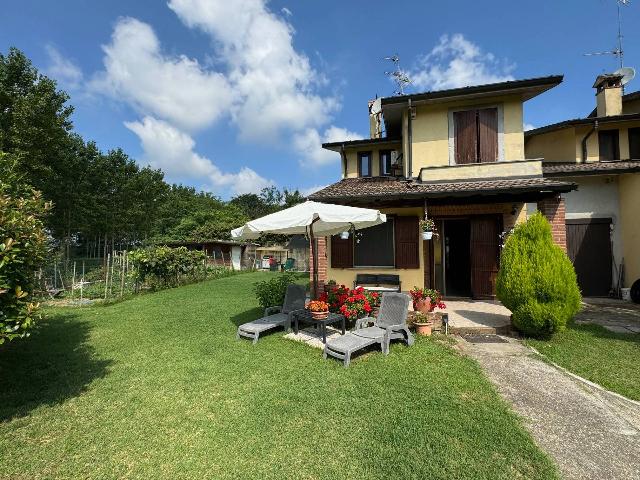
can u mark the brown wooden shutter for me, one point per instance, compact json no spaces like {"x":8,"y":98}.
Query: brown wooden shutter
{"x":488,"y":134}
{"x":407,"y":238}
{"x":485,"y":252}
{"x":341,"y":252}
{"x":466,"y":139}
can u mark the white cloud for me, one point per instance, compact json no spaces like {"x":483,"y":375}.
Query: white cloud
{"x":458,"y":62}
{"x":308,"y":143}
{"x":174,"y":88}
{"x":62,"y":69}
{"x":286,"y":11}
{"x":168,"y":148}
{"x":275,"y":87}
{"x":528,"y":126}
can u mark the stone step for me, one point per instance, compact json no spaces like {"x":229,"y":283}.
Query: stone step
{"x":469,"y":330}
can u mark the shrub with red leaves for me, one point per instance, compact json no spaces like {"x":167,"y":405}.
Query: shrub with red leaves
{"x":352,"y":303}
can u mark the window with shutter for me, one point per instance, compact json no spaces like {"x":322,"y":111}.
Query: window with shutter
{"x":407,"y":242}
{"x":341,"y":252}
{"x":634,"y":143}
{"x":608,"y":145}
{"x":374,"y":246}
{"x":476,"y":135}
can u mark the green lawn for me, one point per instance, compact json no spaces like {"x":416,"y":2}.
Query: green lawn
{"x":597,"y":354}
{"x":158,"y":387}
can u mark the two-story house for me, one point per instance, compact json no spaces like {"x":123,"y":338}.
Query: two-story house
{"x":456,"y":156}
{"x":601,"y":154}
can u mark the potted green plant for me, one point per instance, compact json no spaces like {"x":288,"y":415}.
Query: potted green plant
{"x":428,"y":227}
{"x":422,"y":323}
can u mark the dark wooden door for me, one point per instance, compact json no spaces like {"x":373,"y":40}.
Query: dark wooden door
{"x":589,"y":248}
{"x":485,"y":253}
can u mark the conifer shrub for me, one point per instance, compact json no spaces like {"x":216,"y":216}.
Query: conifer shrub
{"x":537,"y":281}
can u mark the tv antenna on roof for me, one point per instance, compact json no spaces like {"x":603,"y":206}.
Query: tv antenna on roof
{"x":398,"y":76}
{"x":618,"y":51}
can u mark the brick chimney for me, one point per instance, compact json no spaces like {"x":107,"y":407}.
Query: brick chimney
{"x":608,"y":94}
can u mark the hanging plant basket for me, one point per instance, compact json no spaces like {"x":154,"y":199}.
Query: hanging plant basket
{"x":427,"y":235}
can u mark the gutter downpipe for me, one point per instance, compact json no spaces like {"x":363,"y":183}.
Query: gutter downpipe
{"x":343,"y":155}
{"x":586,"y":137}
{"x":410,"y":145}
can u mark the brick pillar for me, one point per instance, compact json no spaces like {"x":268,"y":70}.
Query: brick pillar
{"x":321,"y":243}
{"x":554,"y":210}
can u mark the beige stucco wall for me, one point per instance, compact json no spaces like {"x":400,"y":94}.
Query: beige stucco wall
{"x":430,"y":130}
{"x":632,"y":106}
{"x":532,"y":168}
{"x":408,"y":277}
{"x":629,"y":188}
{"x":557,"y":146}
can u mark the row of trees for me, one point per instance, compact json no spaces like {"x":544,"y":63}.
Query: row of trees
{"x":103,"y":201}
{"x":62,"y":194}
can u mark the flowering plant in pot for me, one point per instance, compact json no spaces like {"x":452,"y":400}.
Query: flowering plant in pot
{"x":426,"y":300}
{"x":428,"y":227}
{"x":356,"y":305}
{"x":319,"y":309}
{"x":422,"y":323}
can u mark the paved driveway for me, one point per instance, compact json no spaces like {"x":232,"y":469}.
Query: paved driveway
{"x":614,"y":315}
{"x":590,"y":433}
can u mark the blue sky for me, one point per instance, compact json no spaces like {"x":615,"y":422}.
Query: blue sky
{"x":233,"y":95}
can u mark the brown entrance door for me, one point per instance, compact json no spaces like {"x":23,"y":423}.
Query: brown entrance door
{"x":589,"y":248}
{"x":485,"y":253}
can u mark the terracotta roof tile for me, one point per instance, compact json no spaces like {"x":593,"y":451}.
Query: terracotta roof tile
{"x":392,"y":187}
{"x":590,"y":168}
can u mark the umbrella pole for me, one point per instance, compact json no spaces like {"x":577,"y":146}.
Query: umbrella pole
{"x":314,"y":256}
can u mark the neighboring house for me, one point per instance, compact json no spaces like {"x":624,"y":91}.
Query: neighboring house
{"x":601,"y":154}
{"x":237,"y":255}
{"x":457,"y":156}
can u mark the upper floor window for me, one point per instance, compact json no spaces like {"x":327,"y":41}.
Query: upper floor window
{"x":608,"y":144}
{"x":634,"y":143}
{"x":476,"y":135}
{"x":364,"y":164}
{"x":385,"y":163}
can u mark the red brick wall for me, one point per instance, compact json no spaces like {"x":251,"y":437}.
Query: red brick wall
{"x":322,"y":264}
{"x":554,"y":210}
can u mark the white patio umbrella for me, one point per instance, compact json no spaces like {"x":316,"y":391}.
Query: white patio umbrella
{"x":312,"y":219}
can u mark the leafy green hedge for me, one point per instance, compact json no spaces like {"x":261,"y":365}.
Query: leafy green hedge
{"x":23,"y":246}
{"x":537,"y":281}
{"x":167,"y":267}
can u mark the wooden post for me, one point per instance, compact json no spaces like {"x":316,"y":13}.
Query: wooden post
{"x":73,"y":280}
{"x":82,"y":283}
{"x":106,"y":277}
{"x":122,"y":272}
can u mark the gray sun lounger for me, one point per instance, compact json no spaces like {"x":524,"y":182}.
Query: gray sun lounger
{"x":275,"y":317}
{"x":390,"y":324}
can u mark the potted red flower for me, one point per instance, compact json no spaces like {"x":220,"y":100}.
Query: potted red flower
{"x":319,"y":309}
{"x":426,"y":300}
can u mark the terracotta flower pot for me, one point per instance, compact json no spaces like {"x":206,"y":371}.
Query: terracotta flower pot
{"x":423,"y":305}
{"x":423,"y":329}
{"x":320,"y":315}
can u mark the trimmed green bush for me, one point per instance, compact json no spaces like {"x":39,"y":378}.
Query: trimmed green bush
{"x":168,"y":266}
{"x":271,"y":292}
{"x":537,"y":281}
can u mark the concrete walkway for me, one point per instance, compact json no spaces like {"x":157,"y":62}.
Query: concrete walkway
{"x":591,"y":434}
{"x":478,"y":316}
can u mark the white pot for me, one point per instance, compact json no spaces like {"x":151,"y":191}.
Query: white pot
{"x":427,"y":235}
{"x":344,"y":235}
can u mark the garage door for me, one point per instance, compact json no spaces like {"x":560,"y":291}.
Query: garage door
{"x":589,"y":248}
